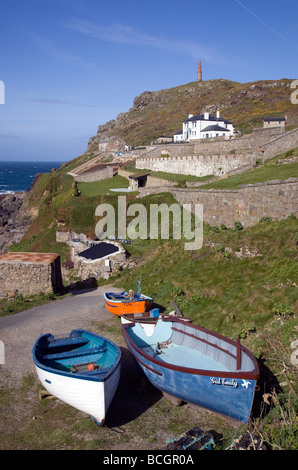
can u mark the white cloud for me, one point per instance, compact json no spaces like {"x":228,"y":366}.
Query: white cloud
{"x":59,"y":102}
{"x":121,"y":34}
{"x":260,"y":20}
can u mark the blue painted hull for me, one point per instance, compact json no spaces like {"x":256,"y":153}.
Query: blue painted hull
{"x":230,"y":394}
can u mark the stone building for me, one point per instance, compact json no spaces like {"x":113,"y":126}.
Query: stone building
{"x":29,"y":274}
{"x":113,"y":144}
{"x":274,"y":122}
{"x":100,"y":260}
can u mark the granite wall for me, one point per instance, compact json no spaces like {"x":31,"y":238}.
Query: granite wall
{"x":29,"y":274}
{"x":247,"y":204}
{"x":201,"y":165}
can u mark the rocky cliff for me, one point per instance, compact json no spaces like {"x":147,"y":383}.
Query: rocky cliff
{"x":162,"y":112}
{"x":15,"y":218}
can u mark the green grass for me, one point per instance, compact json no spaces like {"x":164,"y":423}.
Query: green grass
{"x":102,"y":188}
{"x":270,"y":171}
{"x":225,"y":293}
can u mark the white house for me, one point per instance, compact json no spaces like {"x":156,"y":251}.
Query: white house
{"x":204,"y":126}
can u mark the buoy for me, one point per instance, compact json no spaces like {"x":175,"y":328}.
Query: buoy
{"x":91,"y":367}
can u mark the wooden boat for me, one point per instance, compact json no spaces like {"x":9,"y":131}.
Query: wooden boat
{"x":196,"y":365}
{"x":148,"y":320}
{"x":127,"y":302}
{"x":82,"y":369}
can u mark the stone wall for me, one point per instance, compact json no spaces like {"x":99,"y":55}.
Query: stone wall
{"x":247,"y":204}
{"x":112,"y":144}
{"x":96,"y":175}
{"x":29,"y":274}
{"x":102,"y":267}
{"x":281,"y":144}
{"x":151,"y":181}
{"x":201,"y":165}
{"x":265,"y":143}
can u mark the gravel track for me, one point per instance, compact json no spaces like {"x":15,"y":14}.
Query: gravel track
{"x":20,"y":331}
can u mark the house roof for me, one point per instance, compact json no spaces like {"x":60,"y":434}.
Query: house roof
{"x":178,"y":133}
{"x":99,"y":251}
{"x":215,"y":128}
{"x":23,"y":257}
{"x":274,"y":119}
{"x":201,"y":117}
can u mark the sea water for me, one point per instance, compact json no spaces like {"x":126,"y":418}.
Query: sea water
{"x":18,"y":176}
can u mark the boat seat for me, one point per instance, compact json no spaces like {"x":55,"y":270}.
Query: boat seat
{"x":59,"y":343}
{"x":78,"y":353}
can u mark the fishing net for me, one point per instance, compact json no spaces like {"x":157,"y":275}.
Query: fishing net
{"x":193,"y":439}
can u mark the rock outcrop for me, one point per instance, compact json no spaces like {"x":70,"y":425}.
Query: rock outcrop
{"x":15,"y":218}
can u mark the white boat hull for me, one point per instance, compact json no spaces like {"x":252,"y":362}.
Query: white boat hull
{"x":91,"y":397}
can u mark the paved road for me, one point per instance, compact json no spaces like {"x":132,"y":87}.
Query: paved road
{"x":19,"y":332}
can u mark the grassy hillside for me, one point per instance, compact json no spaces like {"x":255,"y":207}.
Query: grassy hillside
{"x":162,"y":112}
{"x":240,"y":283}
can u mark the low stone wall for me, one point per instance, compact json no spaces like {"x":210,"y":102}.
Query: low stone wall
{"x":98,"y":175}
{"x":29,"y":274}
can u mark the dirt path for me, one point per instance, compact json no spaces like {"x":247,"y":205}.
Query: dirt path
{"x":20,"y":331}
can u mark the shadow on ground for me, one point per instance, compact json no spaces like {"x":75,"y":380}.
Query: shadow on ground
{"x":134,"y":394}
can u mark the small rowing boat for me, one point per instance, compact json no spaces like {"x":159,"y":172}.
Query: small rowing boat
{"x":196,"y":365}
{"x":127,"y":302}
{"x":82,"y":369}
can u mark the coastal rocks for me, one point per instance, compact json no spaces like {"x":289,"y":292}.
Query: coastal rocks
{"x":14,"y":219}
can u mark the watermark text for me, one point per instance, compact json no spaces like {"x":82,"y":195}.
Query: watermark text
{"x":2,"y":353}
{"x":294,"y":95}
{"x":161,"y":222}
{"x":2,"y":92}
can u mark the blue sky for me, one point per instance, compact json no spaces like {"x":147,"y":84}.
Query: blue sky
{"x":71,"y":65}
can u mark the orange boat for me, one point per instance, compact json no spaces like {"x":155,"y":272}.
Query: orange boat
{"x":127,"y":302}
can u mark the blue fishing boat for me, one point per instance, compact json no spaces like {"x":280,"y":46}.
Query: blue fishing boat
{"x":82,"y":369}
{"x":196,"y":365}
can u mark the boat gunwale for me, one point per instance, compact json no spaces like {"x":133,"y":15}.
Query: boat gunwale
{"x":99,"y":375}
{"x":143,"y":298}
{"x":145,"y":320}
{"x":253,"y":374}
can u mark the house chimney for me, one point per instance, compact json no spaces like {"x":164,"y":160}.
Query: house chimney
{"x":190,"y":116}
{"x":206,"y":116}
{"x":217,"y":114}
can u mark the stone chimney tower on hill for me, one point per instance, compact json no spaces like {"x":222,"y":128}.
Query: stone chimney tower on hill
{"x":199,"y":75}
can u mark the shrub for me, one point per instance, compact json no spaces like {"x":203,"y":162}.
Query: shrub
{"x":282,"y":311}
{"x":238,"y":226}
